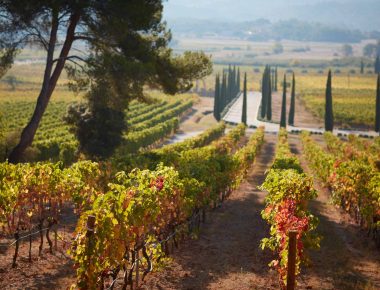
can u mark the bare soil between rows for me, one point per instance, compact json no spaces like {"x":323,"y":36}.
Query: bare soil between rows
{"x":226,"y":255}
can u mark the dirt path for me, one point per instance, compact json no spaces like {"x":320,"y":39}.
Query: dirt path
{"x":201,"y":117}
{"x":227,"y":254}
{"x":347,"y":258}
{"x":303,"y":118}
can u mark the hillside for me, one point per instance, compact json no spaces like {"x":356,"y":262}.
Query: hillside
{"x":339,"y":13}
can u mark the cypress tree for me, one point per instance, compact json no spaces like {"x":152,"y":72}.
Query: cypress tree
{"x":217,"y":99}
{"x":264,"y":94}
{"x":244,"y":112}
{"x":234,"y":79}
{"x":269,"y":97}
{"x":292,"y":103}
{"x":229,"y":85}
{"x":238,"y":80}
{"x":275,"y":80}
{"x":377,"y":123}
{"x":283,"y":106}
{"x":377,"y":65}
{"x":223,"y":94}
{"x":362,"y":67}
{"x":272,"y":79}
{"x":329,"y":116}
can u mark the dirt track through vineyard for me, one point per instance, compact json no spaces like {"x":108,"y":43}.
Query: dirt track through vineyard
{"x":227,"y":254}
{"x":347,"y":259}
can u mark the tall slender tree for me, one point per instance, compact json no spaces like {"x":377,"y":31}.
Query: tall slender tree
{"x":217,"y":98}
{"x":244,"y":111}
{"x":229,"y":84}
{"x":283,"y":106}
{"x":275,"y":80}
{"x":292,"y":102}
{"x":234,"y":80}
{"x":377,"y":123}
{"x":329,"y":116}
{"x":377,"y":65}
{"x":362,"y":66}
{"x":269,"y":96}
{"x":223,"y":94}
{"x":129,"y":36}
{"x":238,"y":80}
{"x":264,"y":93}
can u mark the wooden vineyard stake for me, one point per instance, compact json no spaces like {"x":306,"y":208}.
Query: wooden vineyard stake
{"x":137,"y":268}
{"x":292,"y":254}
{"x":90,"y":225}
{"x":17,"y":236}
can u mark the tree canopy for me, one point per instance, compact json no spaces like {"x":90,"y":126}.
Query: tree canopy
{"x":127,"y":49}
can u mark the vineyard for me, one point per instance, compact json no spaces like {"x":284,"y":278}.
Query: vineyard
{"x":149,"y":210}
{"x":140,"y":210}
{"x":147,"y":124}
{"x":353,"y":98}
{"x":147,"y":166}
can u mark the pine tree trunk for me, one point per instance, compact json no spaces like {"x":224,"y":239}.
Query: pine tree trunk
{"x":48,"y":85}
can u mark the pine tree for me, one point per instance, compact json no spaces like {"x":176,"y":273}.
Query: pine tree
{"x":269,"y":96}
{"x":377,"y":123}
{"x":244,"y":112}
{"x":264,"y":93}
{"x":362,"y":67}
{"x":329,"y":116}
{"x":377,"y":65}
{"x":217,"y":99}
{"x":292,"y":103}
{"x":283,"y":106}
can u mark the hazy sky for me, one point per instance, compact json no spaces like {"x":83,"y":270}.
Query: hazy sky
{"x":361,"y":14}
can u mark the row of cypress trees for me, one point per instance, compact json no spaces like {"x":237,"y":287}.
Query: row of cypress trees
{"x":274,"y":79}
{"x":266,"y":91}
{"x":268,"y":85}
{"x":226,"y":90}
{"x":267,"y":98}
{"x":292,"y":109}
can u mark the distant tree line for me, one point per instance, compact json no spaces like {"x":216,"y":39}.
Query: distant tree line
{"x":372,"y":49}
{"x":264,"y":30}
